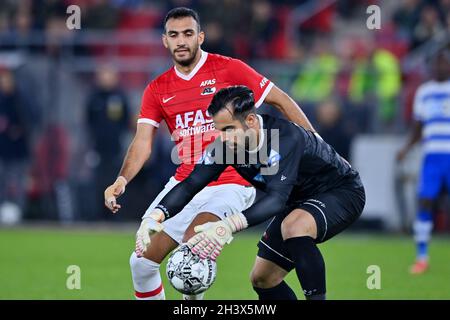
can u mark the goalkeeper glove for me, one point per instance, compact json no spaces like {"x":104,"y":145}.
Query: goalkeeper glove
{"x":212,"y":236}
{"x":149,"y":226}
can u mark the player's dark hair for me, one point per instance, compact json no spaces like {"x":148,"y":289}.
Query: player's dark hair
{"x":182,"y":12}
{"x":239,"y":98}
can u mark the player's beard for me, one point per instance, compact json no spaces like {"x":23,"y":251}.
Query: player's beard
{"x":186,"y":62}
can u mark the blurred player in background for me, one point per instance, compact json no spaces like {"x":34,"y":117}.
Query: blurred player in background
{"x":432,"y":125}
{"x":181,"y":96}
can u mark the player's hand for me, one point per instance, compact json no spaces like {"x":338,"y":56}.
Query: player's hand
{"x":113,"y":192}
{"x":212,"y":236}
{"x":149,"y":226}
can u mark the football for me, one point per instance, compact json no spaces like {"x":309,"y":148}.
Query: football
{"x":188,"y":273}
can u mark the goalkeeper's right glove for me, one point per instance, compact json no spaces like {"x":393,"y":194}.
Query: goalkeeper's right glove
{"x":212,"y":236}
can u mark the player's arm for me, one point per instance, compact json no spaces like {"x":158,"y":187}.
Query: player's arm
{"x":288,"y":107}
{"x":138,"y":153}
{"x":140,"y":148}
{"x":265,"y":91}
{"x":204,"y":172}
{"x":273,"y":203}
{"x":281,"y":178}
{"x":414,"y":137}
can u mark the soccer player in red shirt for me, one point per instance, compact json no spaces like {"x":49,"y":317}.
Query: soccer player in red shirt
{"x":180,"y":97}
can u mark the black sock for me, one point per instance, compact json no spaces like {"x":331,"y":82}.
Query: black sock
{"x":280,"y":292}
{"x":309,"y":266}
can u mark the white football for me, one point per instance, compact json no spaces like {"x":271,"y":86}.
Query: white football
{"x":188,"y":273}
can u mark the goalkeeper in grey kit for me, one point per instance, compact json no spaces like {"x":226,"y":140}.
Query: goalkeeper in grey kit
{"x":310,"y":192}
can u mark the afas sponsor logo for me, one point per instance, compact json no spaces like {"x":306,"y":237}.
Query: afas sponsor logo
{"x":193,"y":122}
{"x":208,"y":83}
{"x":263,"y":82}
{"x":192,"y":119}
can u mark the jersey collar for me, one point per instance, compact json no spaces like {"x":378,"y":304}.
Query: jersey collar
{"x":200,"y":63}
{"x":261,"y":135}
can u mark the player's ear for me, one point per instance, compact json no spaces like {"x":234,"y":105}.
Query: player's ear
{"x":164,"y":40}
{"x":251,"y":120}
{"x":201,"y":37}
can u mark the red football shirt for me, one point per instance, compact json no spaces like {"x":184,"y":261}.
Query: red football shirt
{"x":182,"y":101}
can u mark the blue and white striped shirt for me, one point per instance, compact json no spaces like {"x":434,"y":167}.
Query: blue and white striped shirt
{"x":432,"y":108}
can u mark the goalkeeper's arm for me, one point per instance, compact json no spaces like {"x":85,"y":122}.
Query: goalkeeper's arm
{"x":177,"y":198}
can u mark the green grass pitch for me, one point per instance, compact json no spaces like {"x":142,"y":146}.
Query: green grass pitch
{"x":33,"y":265}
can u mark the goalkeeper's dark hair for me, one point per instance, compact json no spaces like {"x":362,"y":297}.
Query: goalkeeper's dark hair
{"x":239,"y":98}
{"x":182,"y":12}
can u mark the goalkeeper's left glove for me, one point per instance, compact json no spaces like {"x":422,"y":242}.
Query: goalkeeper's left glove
{"x":149,"y":226}
{"x":212,"y":236}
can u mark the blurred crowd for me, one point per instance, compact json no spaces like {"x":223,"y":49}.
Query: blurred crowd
{"x":348,"y":79}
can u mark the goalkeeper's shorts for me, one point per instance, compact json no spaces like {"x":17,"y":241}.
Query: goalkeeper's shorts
{"x":333,"y":212}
